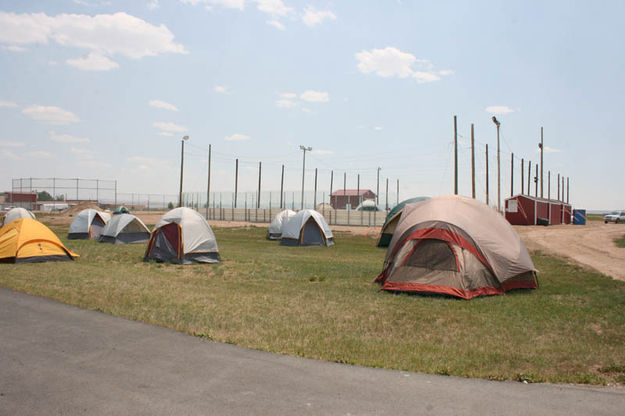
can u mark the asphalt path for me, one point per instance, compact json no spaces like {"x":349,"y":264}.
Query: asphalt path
{"x":56,"y":359}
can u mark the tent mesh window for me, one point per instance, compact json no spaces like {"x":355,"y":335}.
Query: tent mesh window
{"x":433,"y":255}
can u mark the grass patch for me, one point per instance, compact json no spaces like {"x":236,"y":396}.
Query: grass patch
{"x":320,"y":303}
{"x":620,"y":242}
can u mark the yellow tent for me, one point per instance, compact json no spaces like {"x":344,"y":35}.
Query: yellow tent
{"x":27,"y":241}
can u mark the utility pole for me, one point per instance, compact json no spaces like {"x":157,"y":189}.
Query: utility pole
{"x":497,"y":123}
{"x":377,"y":191}
{"x":358,"y":189}
{"x":541,"y":161}
{"x":562,"y":188}
{"x":387,"y":194}
{"x":455,"y":156}
{"x":345,"y":188}
{"x":487,"y":174}
{"x":536,"y":182}
{"x":472,"y":163}
{"x":558,"y":187}
{"x":567,"y":189}
{"x":522,"y":176}
{"x":208,"y":186}
{"x":397,"y":191}
{"x":304,"y":149}
{"x":331,"y":183}
{"x":236,"y":181}
{"x":529,"y":177}
{"x":315,"y":196}
{"x":184,"y":139}
{"x":282,"y":188}
{"x":260,"y":168}
{"x":512,"y":175}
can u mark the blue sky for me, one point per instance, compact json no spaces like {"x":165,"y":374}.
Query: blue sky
{"x":106,"y":89}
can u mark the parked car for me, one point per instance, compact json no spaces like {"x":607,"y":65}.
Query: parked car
{"x":615,"y":217}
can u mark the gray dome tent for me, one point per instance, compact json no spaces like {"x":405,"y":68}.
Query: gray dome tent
{"x":124,"y":228}
{"x":88,"y":224}
{"x":307,"y":228}
{"x":274,"y":232}
{"x":17,"y":213}
{"x":182,"y":236}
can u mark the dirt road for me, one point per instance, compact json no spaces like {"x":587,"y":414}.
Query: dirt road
{"x":591,"y":245}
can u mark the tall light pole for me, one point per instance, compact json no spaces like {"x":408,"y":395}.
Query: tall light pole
{"x":377,"y":192}
{"x":304,"y":148}
{"x":497,"y":123}
{"x":184,"y":139}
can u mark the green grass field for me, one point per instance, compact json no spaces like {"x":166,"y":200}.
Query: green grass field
{"x":320,"y":303}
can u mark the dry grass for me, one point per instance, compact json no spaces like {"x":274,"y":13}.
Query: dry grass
{"x":320,"y":303}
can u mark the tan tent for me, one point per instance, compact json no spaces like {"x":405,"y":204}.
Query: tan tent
{"x":457,"y":246}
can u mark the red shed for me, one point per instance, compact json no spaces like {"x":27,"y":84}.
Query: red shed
{"x":339,"y":199}
{"x":529,"y":210}
{"x":11,"y":197}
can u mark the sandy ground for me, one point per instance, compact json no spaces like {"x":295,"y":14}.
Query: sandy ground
{"x":591,"y":245}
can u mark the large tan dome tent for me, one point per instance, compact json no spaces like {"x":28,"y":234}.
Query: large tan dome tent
{"x":182,"y":236}
{"x":274,"y":232}
{"x":392,"y":219}
{"x":456,"y":246}
{"x":307,"y":228}
{"x":124,"y":228}
{"x":17,"y":213}
{"x":26,"y":240}
{"x":88,"y":224}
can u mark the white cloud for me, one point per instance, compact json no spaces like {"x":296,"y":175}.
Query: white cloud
{"x":391,"y":62}
{"x":230,"y":4}
{"x":66,"y":138}
{"x":170,"y":127}
{"x":93,"y":62}
{"x":40,"y":154}
{"x":93,"y":164}
{"x":152,"y":4}
{"x":314,"y":17}
{"x":288,"y":95}
{"x":220,"y":89}
{"x":162,"y":104}
{"x":315,"y":96}
{"x":237,"y":138}
{"x":273,"y":7}
{"x":104,"y":35}
{"x":9,"y":104}
{"x":499,"y":109}
{"x":322,"y":152}
{"x":11,"y":144}
{"x":5,"y":154}
{"x":92,"y":3}
{"x":14,"y":48}
{"x":50,"y":114}
{"x":276,"y":24}
{"x":82,"y":153}
{"x":284,"y":103}
{"x":549,"y":150}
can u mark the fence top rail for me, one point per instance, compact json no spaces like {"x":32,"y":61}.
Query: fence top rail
{"x":64,"y":179}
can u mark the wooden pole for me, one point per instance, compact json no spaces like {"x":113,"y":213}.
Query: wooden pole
{"x":487,"y":174}
{"x":208,"y":184}
{"x":472,"y":163}
{"x":558,"y":198}
{"x":260,"y":168}
{"x":529,"y":177}
{"x":548,"y":184}
{"x":522,"y":176}
{"x":331,"y":183}
{"x":315,"y":196}
{"x":541,"y":161}
{"x":236,"y":181}
{"x":455,"y":156}
{"x":512,"y":175}
{"x":536,"y":182}
{"x":282,"y":189}
{"x":567,"y":189}
{"x":345,"y":188}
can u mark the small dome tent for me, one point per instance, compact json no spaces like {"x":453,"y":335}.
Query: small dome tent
{"x":307,"y":228}
{"x":182,"y":236}
{"x":88,"y":224}
{"x":124,"y":228}
{"x":367,"y":205}
{"x":17,"y":213}
{"x":456,"y":246}
{"x":26,"y":240}
{"x":274,"y":232}
{"x":390,"y":223}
